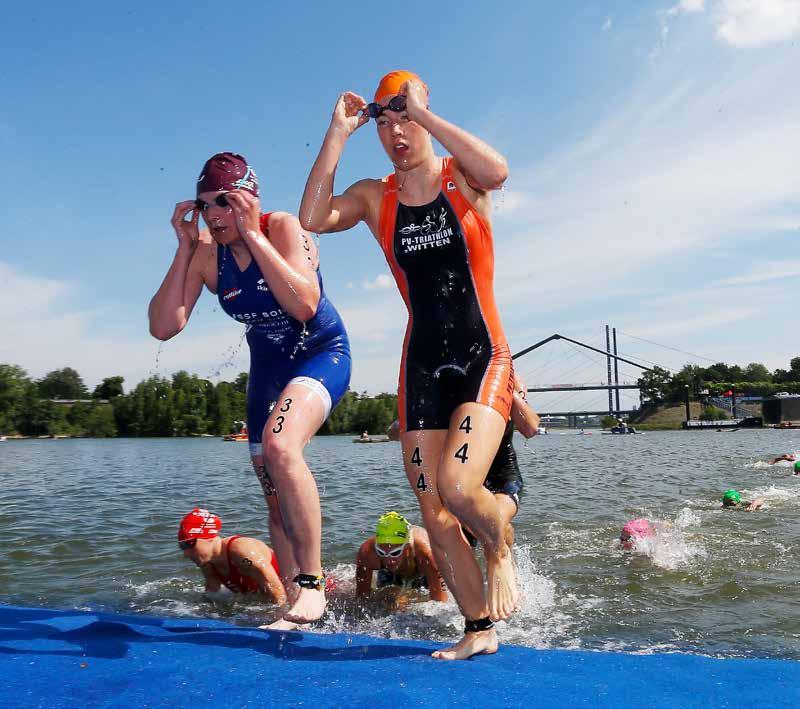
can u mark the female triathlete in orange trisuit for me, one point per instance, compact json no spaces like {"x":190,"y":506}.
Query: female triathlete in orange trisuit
{"x":431,"y":218}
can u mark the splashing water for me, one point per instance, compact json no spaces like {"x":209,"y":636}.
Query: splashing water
{"x":669,"y":548}
{"x":229,"y":356}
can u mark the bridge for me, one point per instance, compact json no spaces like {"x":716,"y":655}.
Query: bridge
{"x":612,"y":386}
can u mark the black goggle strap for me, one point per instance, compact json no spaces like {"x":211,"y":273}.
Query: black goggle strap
{"x":476,"y":626}
{"x":310,"y":581}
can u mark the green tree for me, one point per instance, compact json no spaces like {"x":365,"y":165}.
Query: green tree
{"x":62,"y":384}
{"x":101,"y":423}
{"x":110,"y":388}
{"x":655,"y":384}
{"x":756,"y":372}
{"x":13,"y":384}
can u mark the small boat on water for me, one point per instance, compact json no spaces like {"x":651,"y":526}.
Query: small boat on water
{"x":3,"y":438}
{"x":242,"y":437}
{"x":372,"y":439}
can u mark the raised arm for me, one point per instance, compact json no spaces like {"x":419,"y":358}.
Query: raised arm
{"x":320,"y":210}
{"x":484,"y":168}
{"x":287,"y":259}
{"x":173,"y":302}
{"x":364,"y":569}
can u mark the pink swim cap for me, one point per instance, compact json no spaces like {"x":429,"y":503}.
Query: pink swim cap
{"x":638,"y":528}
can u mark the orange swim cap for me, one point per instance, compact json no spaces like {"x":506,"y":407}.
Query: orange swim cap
{"x":391,"y":83}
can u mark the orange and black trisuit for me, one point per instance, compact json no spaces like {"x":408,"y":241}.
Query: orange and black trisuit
{"x":455,"y":351}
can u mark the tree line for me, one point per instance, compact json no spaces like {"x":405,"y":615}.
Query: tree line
{"x":60,"y":404}
{"x":659,"y":385}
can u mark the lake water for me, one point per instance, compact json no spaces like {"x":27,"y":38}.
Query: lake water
{"x":91,"y":524}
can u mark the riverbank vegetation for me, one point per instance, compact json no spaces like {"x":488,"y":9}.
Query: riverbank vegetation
{"x":60,"y":404}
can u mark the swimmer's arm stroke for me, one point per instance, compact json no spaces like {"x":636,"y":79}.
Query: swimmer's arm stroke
{"x":482,"y":166}
{"x":173,"y":302}
{"x":320,"y":210}
{"x":287,"y":259}
{"x":364,"y":569}
{"x":249,"y":558}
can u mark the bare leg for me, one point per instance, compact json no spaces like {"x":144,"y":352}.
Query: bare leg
{"x":277,"y":532}
{"x":471,"y":444}
{"x":508,"y":510}
{"x":294,"y":420}
{"x":454,"y":557}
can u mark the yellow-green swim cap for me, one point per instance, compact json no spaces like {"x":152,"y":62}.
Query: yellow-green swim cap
{"x":392,"y":528}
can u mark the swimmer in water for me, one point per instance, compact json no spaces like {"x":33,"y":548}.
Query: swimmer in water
{"x":241,"y":564}
{"x":432,"y":219}
{"x":264,"y":270}
{"x":732,"y":500}
{"x":635,"y":530}
{"x":788,"y":457}
{"x":401,"y":556}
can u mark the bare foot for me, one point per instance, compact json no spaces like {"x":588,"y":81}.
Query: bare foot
{"x":483,"y":642}
{"x":309,"y":606}
{"x":503,"y":593}
{"x":281,"y":624}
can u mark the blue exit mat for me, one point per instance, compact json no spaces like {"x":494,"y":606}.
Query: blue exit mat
{"x":54,"y":658}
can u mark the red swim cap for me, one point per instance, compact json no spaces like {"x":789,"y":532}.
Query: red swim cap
{"x":199,"y":524}
{"x":391,"y":83}
{"x":227,"y":171}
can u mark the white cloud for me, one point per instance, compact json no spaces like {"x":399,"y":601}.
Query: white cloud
{"x":765,"y":272}
{"x":698,"y":323}
{"x":687,"y":6}
{"x":682,"y":165}
{"x":383,"y":281}
{"x":607,"y":24}
{"x":756,"y":23}
{"x":44,"y":329}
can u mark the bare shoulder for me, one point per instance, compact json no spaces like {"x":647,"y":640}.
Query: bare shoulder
{"x":369,"y":188}
{"x":247,"y":547}
{"x":204,"y":260}
{"x":420,"y":536}
{"x":282,"y":220}
{"x":366,"y":554}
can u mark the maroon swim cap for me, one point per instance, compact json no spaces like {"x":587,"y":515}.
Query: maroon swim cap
{"x":227,"y":171}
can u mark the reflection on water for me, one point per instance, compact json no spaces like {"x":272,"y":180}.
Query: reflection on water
{"x":92,"y":525}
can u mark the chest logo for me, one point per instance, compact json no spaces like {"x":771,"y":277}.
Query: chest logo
{"x":432,"y":233}
{"x":231,"y":293}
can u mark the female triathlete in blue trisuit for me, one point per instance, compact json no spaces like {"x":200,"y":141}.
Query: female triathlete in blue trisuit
{"x":265,"y":271}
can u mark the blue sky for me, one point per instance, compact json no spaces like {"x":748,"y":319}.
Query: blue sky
{"x":652,"y":145}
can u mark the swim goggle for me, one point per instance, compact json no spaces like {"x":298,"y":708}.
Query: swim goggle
{"x":219,"y":200}
{"x":187,"y":544}
{"x":391,"y":553}
{"x":396,"y":104}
